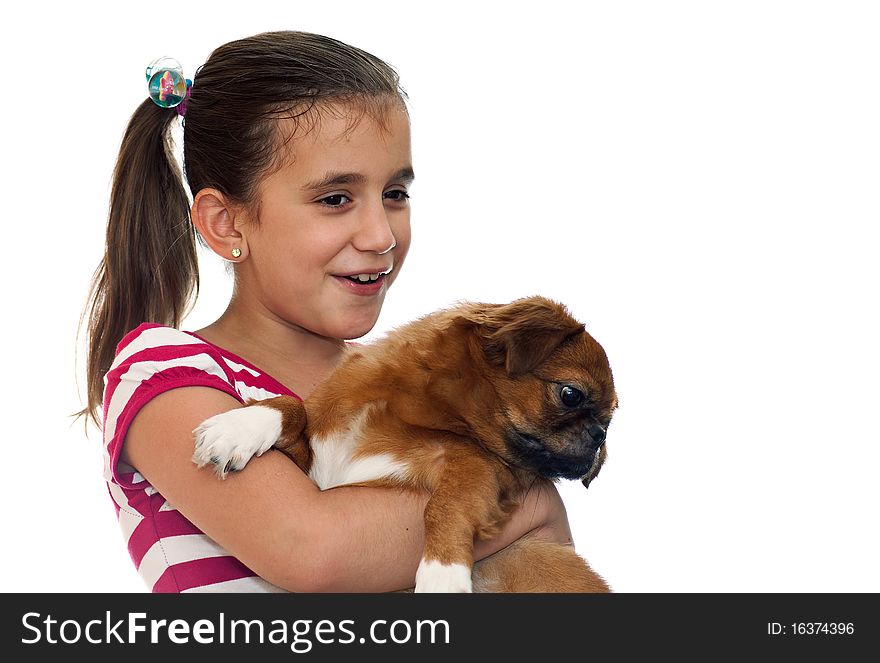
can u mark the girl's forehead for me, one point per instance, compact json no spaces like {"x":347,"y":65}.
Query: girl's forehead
{"x":333,"y":141}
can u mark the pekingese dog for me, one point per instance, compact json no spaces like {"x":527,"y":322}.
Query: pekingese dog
{"x":471,"y":404}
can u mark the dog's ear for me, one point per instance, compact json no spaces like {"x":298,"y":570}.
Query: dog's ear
{"x":523,"y":334}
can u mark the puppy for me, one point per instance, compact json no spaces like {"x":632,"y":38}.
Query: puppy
{"x":472,"y":404}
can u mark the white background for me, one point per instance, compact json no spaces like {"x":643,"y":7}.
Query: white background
{"x":697,"y":181}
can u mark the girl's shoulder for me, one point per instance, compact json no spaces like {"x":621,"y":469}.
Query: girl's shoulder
{"x":157,"y":353}
{"x":153,"y":358}
{"x":153,"y":336}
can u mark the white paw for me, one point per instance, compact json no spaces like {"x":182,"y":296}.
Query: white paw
{"x":434,"y":577}
{"x":229,"y":440}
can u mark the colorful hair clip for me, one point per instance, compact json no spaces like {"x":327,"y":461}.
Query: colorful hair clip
{"x":167,"y":85}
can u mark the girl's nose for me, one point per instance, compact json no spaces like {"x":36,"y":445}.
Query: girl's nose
{"x":374,"y":232}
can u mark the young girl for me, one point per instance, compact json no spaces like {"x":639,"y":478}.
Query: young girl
{"x":297,"y":154}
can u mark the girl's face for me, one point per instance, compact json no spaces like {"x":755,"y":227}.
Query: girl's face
{"x":335,"y":215}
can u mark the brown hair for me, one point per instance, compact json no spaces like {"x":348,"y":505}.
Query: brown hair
{"x":149,"y":272}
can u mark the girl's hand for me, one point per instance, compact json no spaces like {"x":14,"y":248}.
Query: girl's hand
{"x":541,"y":512}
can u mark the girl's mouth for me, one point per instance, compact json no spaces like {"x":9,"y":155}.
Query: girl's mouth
{"x":362,"y":284}
{"x":363,"y":278}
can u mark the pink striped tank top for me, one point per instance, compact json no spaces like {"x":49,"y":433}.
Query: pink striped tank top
{"x":170,"y":553}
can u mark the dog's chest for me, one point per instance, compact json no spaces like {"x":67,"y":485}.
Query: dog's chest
{"x":334,"y":462}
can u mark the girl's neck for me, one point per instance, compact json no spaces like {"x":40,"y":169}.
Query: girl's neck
{"x":297,"y":358}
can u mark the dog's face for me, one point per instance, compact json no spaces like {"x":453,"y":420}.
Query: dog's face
{"x":555,"y":392}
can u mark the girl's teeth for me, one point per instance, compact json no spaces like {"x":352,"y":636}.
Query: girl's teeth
{"x":364,"y":278}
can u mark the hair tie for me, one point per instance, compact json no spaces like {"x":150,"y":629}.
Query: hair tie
{"x":167,"y":85}
{"x":181,"y":107}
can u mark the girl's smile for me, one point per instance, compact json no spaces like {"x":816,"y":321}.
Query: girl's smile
{"x":365,"y":282}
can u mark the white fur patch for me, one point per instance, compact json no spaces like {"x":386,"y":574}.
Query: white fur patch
{"x":332,"y":463}
{"x":230,"y":439}
{"x":434,"y":577}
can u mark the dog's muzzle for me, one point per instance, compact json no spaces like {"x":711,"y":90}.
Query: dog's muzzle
{"x":533,"y":454}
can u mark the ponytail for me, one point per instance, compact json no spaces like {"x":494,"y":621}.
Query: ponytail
{"x":149,"y":272}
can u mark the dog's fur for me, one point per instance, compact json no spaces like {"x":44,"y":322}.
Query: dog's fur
{"x":466,"y":404}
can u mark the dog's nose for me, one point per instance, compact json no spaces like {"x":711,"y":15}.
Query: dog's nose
{"x":597,"y":433}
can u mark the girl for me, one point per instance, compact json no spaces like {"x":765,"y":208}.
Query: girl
{"x":297,"y":154}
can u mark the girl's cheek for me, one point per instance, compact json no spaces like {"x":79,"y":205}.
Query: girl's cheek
{"x":401,"y":231}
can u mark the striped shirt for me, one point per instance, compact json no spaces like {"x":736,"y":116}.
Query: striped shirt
{"x":170,"y":553}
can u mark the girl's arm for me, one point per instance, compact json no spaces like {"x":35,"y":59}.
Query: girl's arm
{"x":276,"y":521}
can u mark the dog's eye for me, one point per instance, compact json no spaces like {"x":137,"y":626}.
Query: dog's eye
{"x":570,"y":396}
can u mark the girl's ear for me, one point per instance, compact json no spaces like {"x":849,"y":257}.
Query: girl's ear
{"x":214,"y":216}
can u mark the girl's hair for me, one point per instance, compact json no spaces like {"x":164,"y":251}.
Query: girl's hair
{"x":149,"y":272}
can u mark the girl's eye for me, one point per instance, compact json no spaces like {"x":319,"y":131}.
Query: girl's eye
{"x":341,"y":200}
{"x":336,"y":200}
{"x":398,"y":195}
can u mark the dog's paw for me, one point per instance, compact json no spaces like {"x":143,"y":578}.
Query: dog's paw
{"x":229,"y":440}
{"x":434,"y":577}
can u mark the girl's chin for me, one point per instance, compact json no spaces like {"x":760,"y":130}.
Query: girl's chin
{"x":354,"y":324}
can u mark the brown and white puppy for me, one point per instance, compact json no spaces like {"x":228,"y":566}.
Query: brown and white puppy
{"x":471,"y":404}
